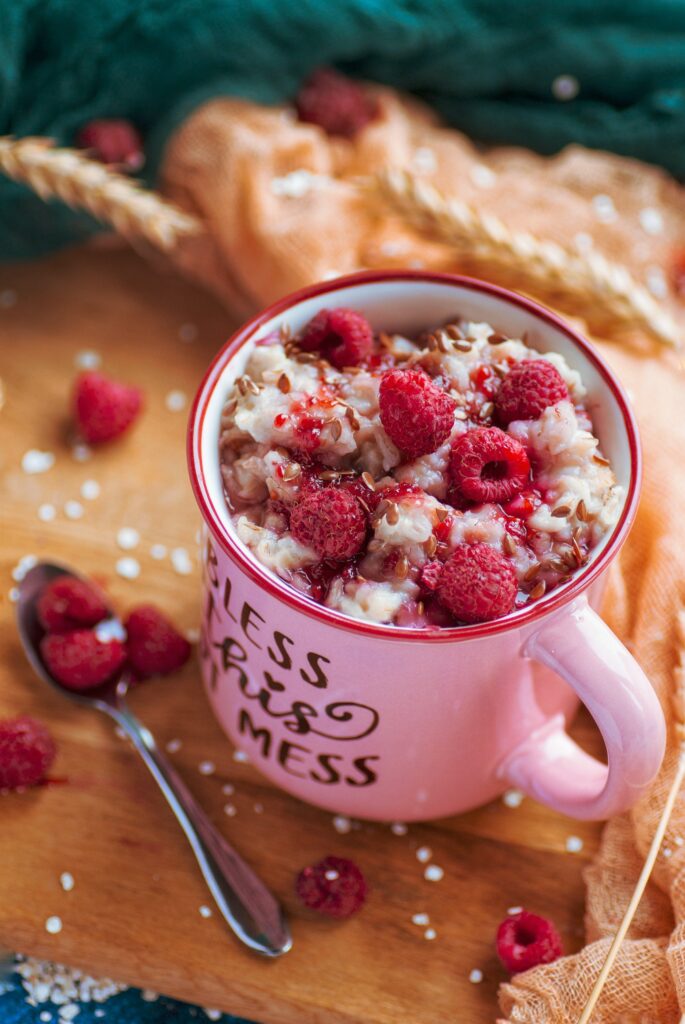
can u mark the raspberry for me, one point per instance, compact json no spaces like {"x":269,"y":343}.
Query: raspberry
{"x":341,"y":335}
{"x":79,"y":660}
{"x":335,"y":103}
{"x":104,"y":408}
{"x":477,"y":584}
{"x":26,"y":752}
{"x":430,"y":575}
{"x":525,"y":940}
{"x":330,"y":521}
{"x":113,"y":140}
{"x":335,"y":887}
{"x":528,"y":389}
{"x":416,"y":414}
{"x":67,"y":603}
{"x":488,"y":465}
{"x":154,"y":645}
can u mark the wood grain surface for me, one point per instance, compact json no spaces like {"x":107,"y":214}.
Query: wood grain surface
{"x":134,"y":911}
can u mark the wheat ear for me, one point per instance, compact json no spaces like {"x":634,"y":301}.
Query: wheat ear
{"x":79,"y":182}
{"x":590,"y":286}
{"x":662,"y":825}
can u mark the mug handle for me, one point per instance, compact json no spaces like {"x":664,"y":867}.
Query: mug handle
{"x":548,"y":765}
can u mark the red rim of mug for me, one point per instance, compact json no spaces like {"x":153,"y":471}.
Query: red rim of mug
{"x":280,"y":589}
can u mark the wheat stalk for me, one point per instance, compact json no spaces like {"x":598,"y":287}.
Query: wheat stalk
{"x":590,"y":286}
{"x":662,"y":825}
{"x":83,"y":183}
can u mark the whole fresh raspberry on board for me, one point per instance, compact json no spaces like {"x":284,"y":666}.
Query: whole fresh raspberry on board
{"x":529,"y":388}
{"x":487,"y":464}
{"x":331,"y":522}
{"x":113,"y":140}
{"x":335,"y":887}
{"x":335,"y":103}
{"x":416,"y":414}
{"x":103,"y":407}
{"x":81,"y":661}
{"x":477,"y":584}
{"x":154,"y":645}
{"x":69,"y":603}
{"x":26,"y":752}
{"x":525,"y":940}
{"x":341,"y":335}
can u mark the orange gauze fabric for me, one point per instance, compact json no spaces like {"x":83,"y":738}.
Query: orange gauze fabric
{"x":283,"y":210}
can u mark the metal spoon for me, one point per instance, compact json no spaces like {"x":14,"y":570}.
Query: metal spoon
{"x":250,"y":910}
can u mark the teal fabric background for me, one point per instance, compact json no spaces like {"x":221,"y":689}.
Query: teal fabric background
{"x":486,"y":65}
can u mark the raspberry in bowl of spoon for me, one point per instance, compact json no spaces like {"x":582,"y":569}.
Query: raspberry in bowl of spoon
{"x":413,"y":485}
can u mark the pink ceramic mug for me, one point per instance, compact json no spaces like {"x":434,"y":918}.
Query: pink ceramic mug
{"x":389,"y":723}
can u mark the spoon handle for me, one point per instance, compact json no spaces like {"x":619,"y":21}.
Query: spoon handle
{"x":250,"y":910}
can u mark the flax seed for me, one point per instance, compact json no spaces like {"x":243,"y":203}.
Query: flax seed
{"x":431,"y":545}
{"x":292,"y":470}
{"x":392,"y":515}
{"x":509,"y":544}
{"x":531,"y":573}
{"x":600,"y":460}
{"x":368,"y":481}
{"x":462,"y":345}
{"x":537,"y":591}
{"x":441,"y":514}
{"x":352,"y":418}
{"x":561,"y":511}
{"x":385,"y":340}
{"x":497,"y":339}
{"x":401,"y":568}
{"x":453,"y":332}
{"x":306,"y":357}
{"x":284,"y":383}
{"x":582,"y":512}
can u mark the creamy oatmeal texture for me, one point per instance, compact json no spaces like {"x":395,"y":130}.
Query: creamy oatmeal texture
{"x":296,"y":424}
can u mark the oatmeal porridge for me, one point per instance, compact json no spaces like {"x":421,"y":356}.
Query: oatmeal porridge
{"x":441,"y":480}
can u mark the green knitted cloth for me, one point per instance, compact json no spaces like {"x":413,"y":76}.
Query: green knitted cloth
{"x":488,"y":66}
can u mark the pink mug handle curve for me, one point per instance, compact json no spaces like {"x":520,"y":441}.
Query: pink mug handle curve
{"x":548,"y":765}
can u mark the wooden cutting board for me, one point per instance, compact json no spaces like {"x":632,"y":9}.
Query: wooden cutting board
{"x":134,"y":911}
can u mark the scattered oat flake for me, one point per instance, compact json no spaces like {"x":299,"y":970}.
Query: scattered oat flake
{"x":128,"y":538}
{"x":129,"y":568}
{"x":574,"y":844}
{"x":36,"y":461}
{"x":87,"y":360}
{"x":173,"y":746}
{"x":8,"y":298}
{"x":476,"y":976}
{"x":420,"y":919}
{"x":175,"y":401}
{"x":430,"y":933}
{"x":424,"y":854}
{"x":192,"y":635}
{"x":180,"y":560}
{"x":433,"y":873}
{"x":241,"y":757}
{"x":187,"y":332}
{"x":398,"y":828}
{"x":158,"y":552}
{"x":231,"y":810}
{"x":565,"y":87}
{"x":69,"y":1011}
{"x":53,"y":925}
{"x":206,"y":767}
{"x":212,"y":1014}
{"x":44,"y":1016}
{"x":66,"y":880}
{"x":149,"y":996}
{"x":46,"y":513}
{"x":513,"y":798}
{"x":73,"y":510}
{"x":90,"y":490}
{"x":205,"y":911}
{"x":342,"y":824}
{"x":651,"y":220}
